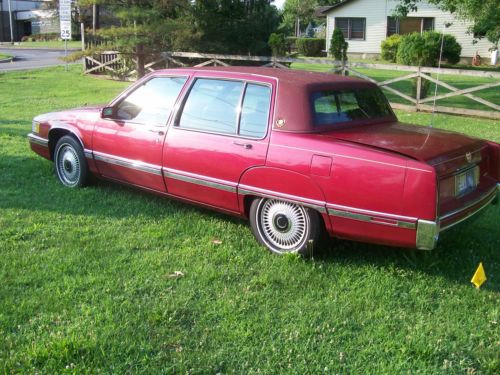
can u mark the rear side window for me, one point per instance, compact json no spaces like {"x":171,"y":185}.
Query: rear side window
{"x":152,"y":102}
{"x":212,"y":106}
{"x":255,"y":111}
{"x":343,"y":106}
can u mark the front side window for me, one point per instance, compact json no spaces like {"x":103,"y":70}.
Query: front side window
{"x":212,"y":106}
{"x":343,"y":106}
{"x":152,"y":102}
{"x":352,"y":28}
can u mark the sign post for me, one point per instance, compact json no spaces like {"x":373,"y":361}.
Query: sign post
{"x":65,"y":23}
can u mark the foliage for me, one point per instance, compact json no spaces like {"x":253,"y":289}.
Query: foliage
{"x":86,"y":286}
{"x":338,"y":45}
{"x":310,"y":46}
{"x":485,"y":14}
{"x":277,"y":43}
{"x":424,"y":49}
{"x":389,"y":47}
{"x":40,"y":37}
{"x":297,"y":13}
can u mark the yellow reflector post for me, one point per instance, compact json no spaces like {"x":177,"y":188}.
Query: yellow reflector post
{"x":479,"y":276}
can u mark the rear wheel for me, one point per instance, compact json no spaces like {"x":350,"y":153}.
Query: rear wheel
{"x":284,"y":227}
{"x":70,"y":162}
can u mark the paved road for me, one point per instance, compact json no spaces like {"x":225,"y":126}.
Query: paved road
{"x":26,"y":59}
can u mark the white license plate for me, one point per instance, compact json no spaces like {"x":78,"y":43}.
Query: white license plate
{"x":466,"y":181}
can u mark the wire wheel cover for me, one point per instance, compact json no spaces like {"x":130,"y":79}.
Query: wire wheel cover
{"x":68,"y":165}
{"x":283,"y":225}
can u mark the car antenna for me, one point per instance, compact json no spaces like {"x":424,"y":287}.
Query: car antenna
{"x":446,"y":25}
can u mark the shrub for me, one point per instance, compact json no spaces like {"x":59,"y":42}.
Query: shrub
{"x":338,"y":45}
{"x":310,"y":46}
{"x":389,"y":47}
{"x":277,"y":43}
{"x":424,"y":49}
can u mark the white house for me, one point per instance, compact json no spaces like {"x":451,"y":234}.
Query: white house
{"x":366,"y":23}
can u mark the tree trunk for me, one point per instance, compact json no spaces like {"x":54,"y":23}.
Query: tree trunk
{"x":140,"y":60}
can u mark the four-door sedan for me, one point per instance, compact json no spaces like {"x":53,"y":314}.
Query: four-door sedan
{"x":294,"y":152}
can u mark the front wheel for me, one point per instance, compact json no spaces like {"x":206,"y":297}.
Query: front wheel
{"x":284,"y":227}
{"x":70,"y":162}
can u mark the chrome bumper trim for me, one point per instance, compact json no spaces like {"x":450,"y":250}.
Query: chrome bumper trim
{"x":32,"y":138}
{"x":127,"y":163}
{"x":88,"y":154}
{"x":427,"y":235}
{"x":372,"y":219}
{"x":199,"y":181}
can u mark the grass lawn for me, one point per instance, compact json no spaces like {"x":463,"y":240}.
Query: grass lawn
{"x":4,"y":56}
{"x":459,"y":81}
{"x":46,"y":44}
{"x":86,"y":287}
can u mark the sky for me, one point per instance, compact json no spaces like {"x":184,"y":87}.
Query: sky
{"x":279,"y":3}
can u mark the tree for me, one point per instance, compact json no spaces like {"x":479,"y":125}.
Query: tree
{"x":297,"y":12}
{"x":277,"y":43}
{"x":484,"y":14}
{"x":338,"y":45}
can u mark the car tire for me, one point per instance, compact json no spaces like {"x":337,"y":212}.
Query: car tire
{"x":285,"y":227}
{"x":70,"y":162}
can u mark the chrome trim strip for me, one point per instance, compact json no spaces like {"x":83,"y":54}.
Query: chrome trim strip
{"x":127,"y":163}
{"x":199,"y":181}
{"x":314,"y":204}
{"x":32,"y":138}
{"x":427,"y":235}
{"x":484,"y":205}
{"x":88,"y":154}
{"x":371,"y":219}
{"x":470,"y":204}
{"x":371,"y":213}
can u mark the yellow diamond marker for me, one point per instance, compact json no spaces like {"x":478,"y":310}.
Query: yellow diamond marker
{"x":479,"y":276}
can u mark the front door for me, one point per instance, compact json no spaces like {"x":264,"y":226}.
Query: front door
{"x":220,"y":131}
{"x":128,"y":147}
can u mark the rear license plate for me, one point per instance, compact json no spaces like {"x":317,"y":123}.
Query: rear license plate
{"x":466,"y":181}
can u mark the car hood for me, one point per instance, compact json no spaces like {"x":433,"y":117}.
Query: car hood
{"x":90,"y":112}
{"x":418,"y":142}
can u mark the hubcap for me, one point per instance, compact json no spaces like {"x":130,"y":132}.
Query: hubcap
{"x":283,"y":225}
{"x":68,"y":165}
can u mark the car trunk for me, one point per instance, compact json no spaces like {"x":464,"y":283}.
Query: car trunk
{"x":461,"y":162}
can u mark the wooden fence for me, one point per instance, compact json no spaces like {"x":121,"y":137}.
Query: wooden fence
{"x":112,"y":62}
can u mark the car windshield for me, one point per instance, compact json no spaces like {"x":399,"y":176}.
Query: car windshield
{"x":343,"y":106}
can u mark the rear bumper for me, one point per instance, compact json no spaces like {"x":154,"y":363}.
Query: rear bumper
{"x":428,"y":231}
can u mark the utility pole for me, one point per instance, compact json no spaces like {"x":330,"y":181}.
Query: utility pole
{"x":10,"y":22}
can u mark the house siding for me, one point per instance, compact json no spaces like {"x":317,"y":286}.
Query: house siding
{"x":376,"y":12}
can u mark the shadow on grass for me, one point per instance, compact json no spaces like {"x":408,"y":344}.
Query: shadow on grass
{"x":29,"y":183}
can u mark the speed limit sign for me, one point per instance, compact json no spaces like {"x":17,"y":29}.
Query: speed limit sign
{"x":66,"y":30}
{"x":65,"y":18}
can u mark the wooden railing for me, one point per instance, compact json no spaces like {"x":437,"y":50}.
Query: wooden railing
{"x":112,"y":61}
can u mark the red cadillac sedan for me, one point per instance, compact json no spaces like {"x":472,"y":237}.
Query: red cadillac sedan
{"x":295,"y":152}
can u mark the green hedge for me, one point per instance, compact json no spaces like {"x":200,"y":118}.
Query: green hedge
{"x":389,"y":47}
{"x":310,"y":46}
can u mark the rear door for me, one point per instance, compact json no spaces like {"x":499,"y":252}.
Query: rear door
{"x":129,"y":146}
{"x":221,"y":130}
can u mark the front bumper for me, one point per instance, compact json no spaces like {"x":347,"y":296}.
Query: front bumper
{"x":428,"y":231}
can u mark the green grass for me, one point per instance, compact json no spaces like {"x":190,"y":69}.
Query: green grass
{"x":4,"y":56}
{"x":85,"y":283}
{"x":458,"y":81}
{"x":46,"y":44}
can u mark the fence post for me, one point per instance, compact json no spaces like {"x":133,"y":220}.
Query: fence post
{"x":419,"y":89}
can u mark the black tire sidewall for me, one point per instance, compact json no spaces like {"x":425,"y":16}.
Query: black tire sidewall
{"x":75,"y":145}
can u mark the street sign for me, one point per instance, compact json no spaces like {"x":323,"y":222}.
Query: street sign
{"x":65,"y":19}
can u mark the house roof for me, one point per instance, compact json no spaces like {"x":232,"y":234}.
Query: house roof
{"x":327,"y":9}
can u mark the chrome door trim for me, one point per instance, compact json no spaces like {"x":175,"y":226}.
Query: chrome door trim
{"x":128,"y":163}
{"x":200,"y":180}
{"x":372,"y":219}
{"x":88,"y":154}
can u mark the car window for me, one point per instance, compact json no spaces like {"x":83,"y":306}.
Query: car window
{"x":151,"y":103}
{"x":212,"y":106}
{"x":339,"y":106}
{"x":255,"y":111}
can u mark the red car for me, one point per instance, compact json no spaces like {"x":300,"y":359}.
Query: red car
{"x":294,"y":152}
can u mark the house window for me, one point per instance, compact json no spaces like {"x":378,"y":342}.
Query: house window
{"x":352,"y":28}
{"x":409,"y":25}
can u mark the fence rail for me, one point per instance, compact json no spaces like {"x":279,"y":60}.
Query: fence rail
{"x":113,"y":62}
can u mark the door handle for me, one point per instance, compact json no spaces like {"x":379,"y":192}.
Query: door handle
{"x":160,"y":132}
{"x":246,"y":146}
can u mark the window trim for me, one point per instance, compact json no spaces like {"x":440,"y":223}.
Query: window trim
{"x":398,"y":21}
{"x":194,"y":78}
{"x":140,"y":84}
{"x":349,"y":26}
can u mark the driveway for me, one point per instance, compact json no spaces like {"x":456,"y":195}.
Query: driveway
{"x":26,"y":59}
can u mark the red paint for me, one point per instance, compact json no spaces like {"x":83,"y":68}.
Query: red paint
{"x":385,"y":170}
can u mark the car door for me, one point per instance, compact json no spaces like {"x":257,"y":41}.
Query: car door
{"x":221,"y":130}
{"x":128,"y":145}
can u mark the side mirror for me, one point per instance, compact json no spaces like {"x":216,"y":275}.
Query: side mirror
{"x":107,"y":112}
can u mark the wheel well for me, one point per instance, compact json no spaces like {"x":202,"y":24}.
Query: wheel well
{"x":54,"y":137}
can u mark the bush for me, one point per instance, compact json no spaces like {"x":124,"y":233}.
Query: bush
{"x":310,"y":46}
{"x":277,"y":44}
{"x":423,"y":49}
{"x":389,"y":47}
{"x":338,"y":45}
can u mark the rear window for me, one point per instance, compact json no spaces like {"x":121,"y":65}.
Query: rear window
{"x":342,"y":106}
